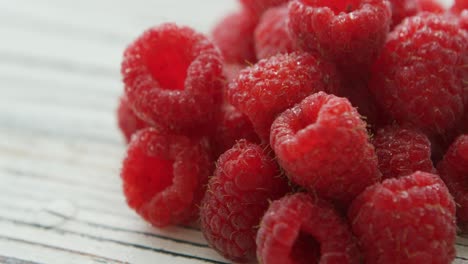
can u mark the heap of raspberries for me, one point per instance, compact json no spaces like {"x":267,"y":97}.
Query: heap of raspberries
{"x":304,"y":131}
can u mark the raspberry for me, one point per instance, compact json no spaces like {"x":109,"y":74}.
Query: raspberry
{"x":405,"y":220}
{"x":173,"y":79}
{"x":299,"y":229}
{"x":273,"y":85}
{"x":164,"y":176}
{"x":272,"y":34}
{"x":458,"y":6}
{"x":128,"y":122}
{"x":349,"y":32}
{"x":323,"y":145}
{"x":237,"y":197}
{"x":234,"y":36}
{"x":233,"y":126}
{"x":257,"y":7}
{"x":402,"y":151}
{"x":408,"y":80}
{"x":454,"y":171}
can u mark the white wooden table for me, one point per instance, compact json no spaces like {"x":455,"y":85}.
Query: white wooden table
{"x":60,"y":150}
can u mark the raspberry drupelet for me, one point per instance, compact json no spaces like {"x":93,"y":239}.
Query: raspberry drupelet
{"x":173,"y":79}
{"x":127,"y":121}
{"x":418,"y":78}
{"x":300,"y":229}
{"x":271,"y":86}
{"x":323,"y":146}
{"x":272,"y":34}
{"x":405,"y":220}
{"x":245,"y":179}
{"x":164,"y":176}
{"x":453,"y":170}
{"x":402,"y":151}
{"x":234,"y":36}
{"x":351,"y":33}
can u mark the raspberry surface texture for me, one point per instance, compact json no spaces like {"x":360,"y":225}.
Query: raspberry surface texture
{"x":246,"y":178}
{"x":127,"y":121}
{"x":233,"y":126}
{"x":402,"y":151}
{"x":257,"y":7}
{"x":271,"y":86}
{"x":173,"y":79}
{"x":301,"y":229}
{"x":402,"y":9}
{"x":463,"y":22}
{"x":164,"y":177}
{"x":349,"y":32}
{"x":453,"y":170}
{"x":408,"y":81}
{"x":272,"y":33}
{"x":406,"y":220}
{"x":234,"y":36}
{"x":323,"y":146}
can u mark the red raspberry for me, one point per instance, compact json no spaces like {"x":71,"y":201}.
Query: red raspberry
{"x":273,"y":85}
{"x":272,"y":33}
{"x":408,"y":80}
{"x":402,"y":151}
{"x":454,"y":171}
{"x":128,"y":122}
{"x":458,"y":6}
{"x":323,"y":145}
{"x":164,"y":176}
{"x":237,"y":197}
{"x":405,"y":220}
{"x":173,"y":79}
{"x":349,"y":32}
{"x":257,"y":7}
{"x":234,"y":36}
{"x":233,"y":126}
{"x":299,"y":229}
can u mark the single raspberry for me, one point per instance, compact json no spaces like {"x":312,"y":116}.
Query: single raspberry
{"x":402,"y":151}
{"x":273,"y":85}
{"x":458,"y":6}
{"x":454,"y":171}
{"x":233,"y":126}
{"x":257,"y":7}
{"x":349,"y":32}
{"x":164,"y":176}
{"x":405,"y":220}
{"x":173,"y":79}
{"x":237,"y":197}
{"x":408,"y":80}
{"x":272,"y":33}
{"x":234,"y":36}
{"x":127,"y":121}
{"x":299,"y":229}
{"x":323,"y":145}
